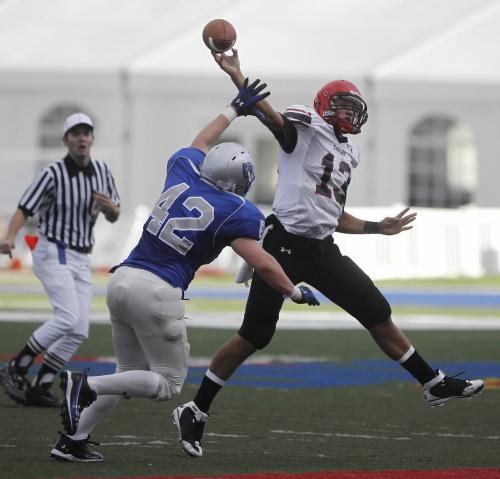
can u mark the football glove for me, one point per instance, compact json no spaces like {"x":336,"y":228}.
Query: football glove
{"x":307,"y":297}
{"x":247,"y":97}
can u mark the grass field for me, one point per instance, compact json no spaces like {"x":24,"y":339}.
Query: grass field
{"x":256,"y":429}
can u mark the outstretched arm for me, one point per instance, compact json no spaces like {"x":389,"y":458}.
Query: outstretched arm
{"x":241,"y":105}
{"x":390,"y":225}
{"x":231,"y":65}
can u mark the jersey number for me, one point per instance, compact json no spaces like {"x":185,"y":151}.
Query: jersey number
{"x":163,"y":227}
{"x":323,"y":189}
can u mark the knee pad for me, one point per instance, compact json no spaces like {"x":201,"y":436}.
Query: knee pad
{"x":167,"y":388}
{"x":379,"y":313}
{"x":259,"y":335}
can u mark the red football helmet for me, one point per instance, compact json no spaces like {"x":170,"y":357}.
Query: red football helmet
{"x":341,"y":94}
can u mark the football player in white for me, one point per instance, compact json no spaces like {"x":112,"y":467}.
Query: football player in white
{"x":315,"y":163}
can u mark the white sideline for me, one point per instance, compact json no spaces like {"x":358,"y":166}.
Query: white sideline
{"x":297,"y":320}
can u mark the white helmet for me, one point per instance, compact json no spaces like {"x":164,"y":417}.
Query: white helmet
{"x":229,"y":167}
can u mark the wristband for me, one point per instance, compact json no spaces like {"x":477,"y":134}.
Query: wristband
{"x":230,"y":113}
{"x":370,"y":227}
{"x":296,"y":294}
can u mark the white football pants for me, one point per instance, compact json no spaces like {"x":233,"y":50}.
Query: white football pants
{"x":69,"y":289}
{"x":150,"y":341}
{"x":149,"y":329}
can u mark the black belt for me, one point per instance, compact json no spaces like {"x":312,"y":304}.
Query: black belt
{"x":79,"y":249}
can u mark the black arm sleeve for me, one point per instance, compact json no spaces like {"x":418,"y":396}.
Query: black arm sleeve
{"x":287,"y":136}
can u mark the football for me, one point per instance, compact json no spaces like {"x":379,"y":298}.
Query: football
{"x":219,"y":35}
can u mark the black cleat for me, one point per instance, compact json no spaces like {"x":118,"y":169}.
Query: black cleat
{"x":41,"y":396}
{"x":14,"y":384}
{"x":443,"y":388}
{"x":77,"y":396}
{"x":190,"y":422}
{"x":67,"y":449}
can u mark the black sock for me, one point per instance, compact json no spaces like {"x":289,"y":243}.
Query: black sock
{"x":206,"y":394}
{"x":52,"y":364}
{"x":24,"y":359}
{"x":418,"y":368}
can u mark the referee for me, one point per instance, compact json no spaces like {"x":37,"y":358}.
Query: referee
{"x":68,"y":195}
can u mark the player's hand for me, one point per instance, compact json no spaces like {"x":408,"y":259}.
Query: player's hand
{"x":396,"y":224}
{"x":248,"y":96}
{"x":228,"y":63}
{"x":307,"y":297}
{"x":6,"y":247}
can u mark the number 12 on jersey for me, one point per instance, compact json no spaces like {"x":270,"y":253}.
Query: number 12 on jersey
{"x":323,"y":189}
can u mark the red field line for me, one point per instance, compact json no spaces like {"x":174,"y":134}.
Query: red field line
{"x":472,"y":473}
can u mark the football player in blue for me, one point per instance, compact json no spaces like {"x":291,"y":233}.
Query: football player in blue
{"x":201,"y":209}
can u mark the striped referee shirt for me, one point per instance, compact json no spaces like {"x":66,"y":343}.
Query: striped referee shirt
{"x":62,"y":195}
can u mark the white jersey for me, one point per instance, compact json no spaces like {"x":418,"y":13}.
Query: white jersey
{"x":313,"y":179}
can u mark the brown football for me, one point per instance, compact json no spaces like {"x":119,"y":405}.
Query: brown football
{"x":219,"y":35}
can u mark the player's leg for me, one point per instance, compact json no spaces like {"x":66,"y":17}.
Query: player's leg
{"x":259,"y":324}
{"x":351,"y":289}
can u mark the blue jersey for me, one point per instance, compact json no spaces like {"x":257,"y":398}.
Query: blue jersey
{"x":191,"y":223}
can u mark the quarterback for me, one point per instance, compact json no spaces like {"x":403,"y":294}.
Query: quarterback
{"x":315,"y":162}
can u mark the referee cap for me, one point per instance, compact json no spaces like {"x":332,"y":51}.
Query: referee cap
{"x":77,"y":119}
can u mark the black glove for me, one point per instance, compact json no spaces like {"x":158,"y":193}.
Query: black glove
{"x":247,"y":97}
{"x":307,"y":297}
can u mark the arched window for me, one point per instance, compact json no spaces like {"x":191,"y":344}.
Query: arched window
{"x":443,"y":164}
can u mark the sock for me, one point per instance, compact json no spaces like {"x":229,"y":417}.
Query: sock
{"x":52,"y":364}
{"x":22,"y":362}
{"x":95,"y":413}
{"x":142,"y":384}
{"x":416,"y":366}
{"x":210,"y":386}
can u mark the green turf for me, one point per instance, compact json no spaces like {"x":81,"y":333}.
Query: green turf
{"x":257,"y":429}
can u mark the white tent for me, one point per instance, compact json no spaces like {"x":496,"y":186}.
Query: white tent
{"x":140,"y":68}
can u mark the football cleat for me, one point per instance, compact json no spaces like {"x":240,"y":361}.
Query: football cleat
{"x":77,"y":396}
{"x":14,"y":384}
{"x":41,"y":396}
{"x":67,"y":449}
{"x":190,"y":422}
{"x":442,"y":388}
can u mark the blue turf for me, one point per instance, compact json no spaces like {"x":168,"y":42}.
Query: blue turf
{"x":319,"y":374}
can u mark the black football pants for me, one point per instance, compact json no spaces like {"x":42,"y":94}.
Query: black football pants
{"x":320,"y":264}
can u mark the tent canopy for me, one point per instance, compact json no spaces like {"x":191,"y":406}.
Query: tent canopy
{"x":449,"y":40}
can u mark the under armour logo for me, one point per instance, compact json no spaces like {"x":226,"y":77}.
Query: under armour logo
{"x":239,"y":102}
{"x":284,"y":250}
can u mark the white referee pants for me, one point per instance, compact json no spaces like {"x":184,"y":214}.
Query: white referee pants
{"x":149,"y":330}
{"x":69,"y":289}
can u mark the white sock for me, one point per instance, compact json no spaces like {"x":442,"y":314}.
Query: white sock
{"x":140,"y":384}
{"x":94,"y":414}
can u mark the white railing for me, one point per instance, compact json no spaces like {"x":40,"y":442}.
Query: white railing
{"x":443,"y":243}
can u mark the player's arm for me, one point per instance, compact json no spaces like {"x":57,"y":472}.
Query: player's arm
{"x":271,"y":271}
{"x":241,"y":105}
{"x":16,"y":223}
{"x":231,"y":65}
{"x":390,"y":225}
